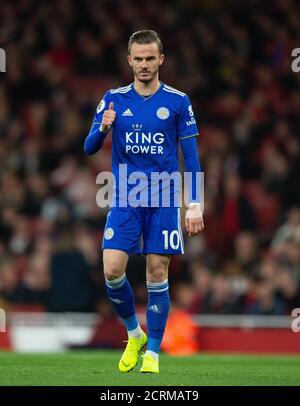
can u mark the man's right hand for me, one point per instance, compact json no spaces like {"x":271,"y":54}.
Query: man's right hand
{"x":108,"y":118}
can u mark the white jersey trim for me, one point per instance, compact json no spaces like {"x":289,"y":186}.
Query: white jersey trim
{"x":172,"y":90}
{"x":180,"y":231}
{"x":124,"y":89}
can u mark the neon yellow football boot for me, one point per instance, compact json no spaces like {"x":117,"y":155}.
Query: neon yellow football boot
{"x":150,"y":365}
{"x":130,"y":355}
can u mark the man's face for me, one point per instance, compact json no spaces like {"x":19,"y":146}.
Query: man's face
{"x":145,"y":61}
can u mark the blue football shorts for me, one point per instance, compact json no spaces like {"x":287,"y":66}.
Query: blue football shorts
{"x":144,"y":230}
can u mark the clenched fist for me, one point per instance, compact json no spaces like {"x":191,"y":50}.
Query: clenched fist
{"x":108,"y":118}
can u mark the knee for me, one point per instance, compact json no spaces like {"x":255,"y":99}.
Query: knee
{"x":112,"y":270}
{"x":156,"y":274}
{"x":157,"y":269}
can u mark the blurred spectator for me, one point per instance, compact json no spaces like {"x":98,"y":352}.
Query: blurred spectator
{"x":268,"y":270}
{"x":266,"y":302}
{"x":183,"y":294}
{"x":71,"y":283}
{"x":33,"y":289}
{"x":237,"y":212}
{"x":219,"y":300}
{"x":289,"y":231}
{"x":288,"y":289}
{"x":201,"y":280}
{"x":246,"y":251}
{"x":9,"y":280}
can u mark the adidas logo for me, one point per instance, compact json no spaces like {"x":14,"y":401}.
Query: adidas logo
{"x":117,"y":301}
{"x":154,"y":309}
{"x":127,"y":113}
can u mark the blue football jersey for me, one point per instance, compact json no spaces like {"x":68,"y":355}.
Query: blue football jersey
{"x":146,"y":131}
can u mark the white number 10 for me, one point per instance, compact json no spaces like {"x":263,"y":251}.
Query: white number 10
{"x":173,"y":239}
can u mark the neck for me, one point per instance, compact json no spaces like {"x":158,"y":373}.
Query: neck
{"x":145,"y":89}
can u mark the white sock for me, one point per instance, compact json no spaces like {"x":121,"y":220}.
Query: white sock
{"x":152,"y":354}
{"x":136,"y":333}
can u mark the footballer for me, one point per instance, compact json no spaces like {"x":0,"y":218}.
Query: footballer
{"x":149,"y":120}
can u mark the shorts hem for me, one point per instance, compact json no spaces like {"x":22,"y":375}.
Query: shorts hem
{"x":122,"y":249}
{"x":145,"y":252}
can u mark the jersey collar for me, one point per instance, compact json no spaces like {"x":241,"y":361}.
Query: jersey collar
{"x":142,"y":98}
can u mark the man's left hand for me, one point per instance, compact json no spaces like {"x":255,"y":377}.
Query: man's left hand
{"x":194,"y":219}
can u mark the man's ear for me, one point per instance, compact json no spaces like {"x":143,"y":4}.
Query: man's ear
{"x":129,"y":60}
{"x":161,"y":59}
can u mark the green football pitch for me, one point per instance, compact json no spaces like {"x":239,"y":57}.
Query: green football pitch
{"x":98,"y":368}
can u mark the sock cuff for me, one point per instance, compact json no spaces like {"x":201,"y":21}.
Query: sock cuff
{"x":158,"y":286}
{"x":116,"y":283}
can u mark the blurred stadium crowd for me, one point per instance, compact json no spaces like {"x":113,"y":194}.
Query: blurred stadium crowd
{"x":233,"y":59}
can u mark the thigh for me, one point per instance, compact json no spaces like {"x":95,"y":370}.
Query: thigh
{"x":162,"y":231}
{"x":123,"y":230}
